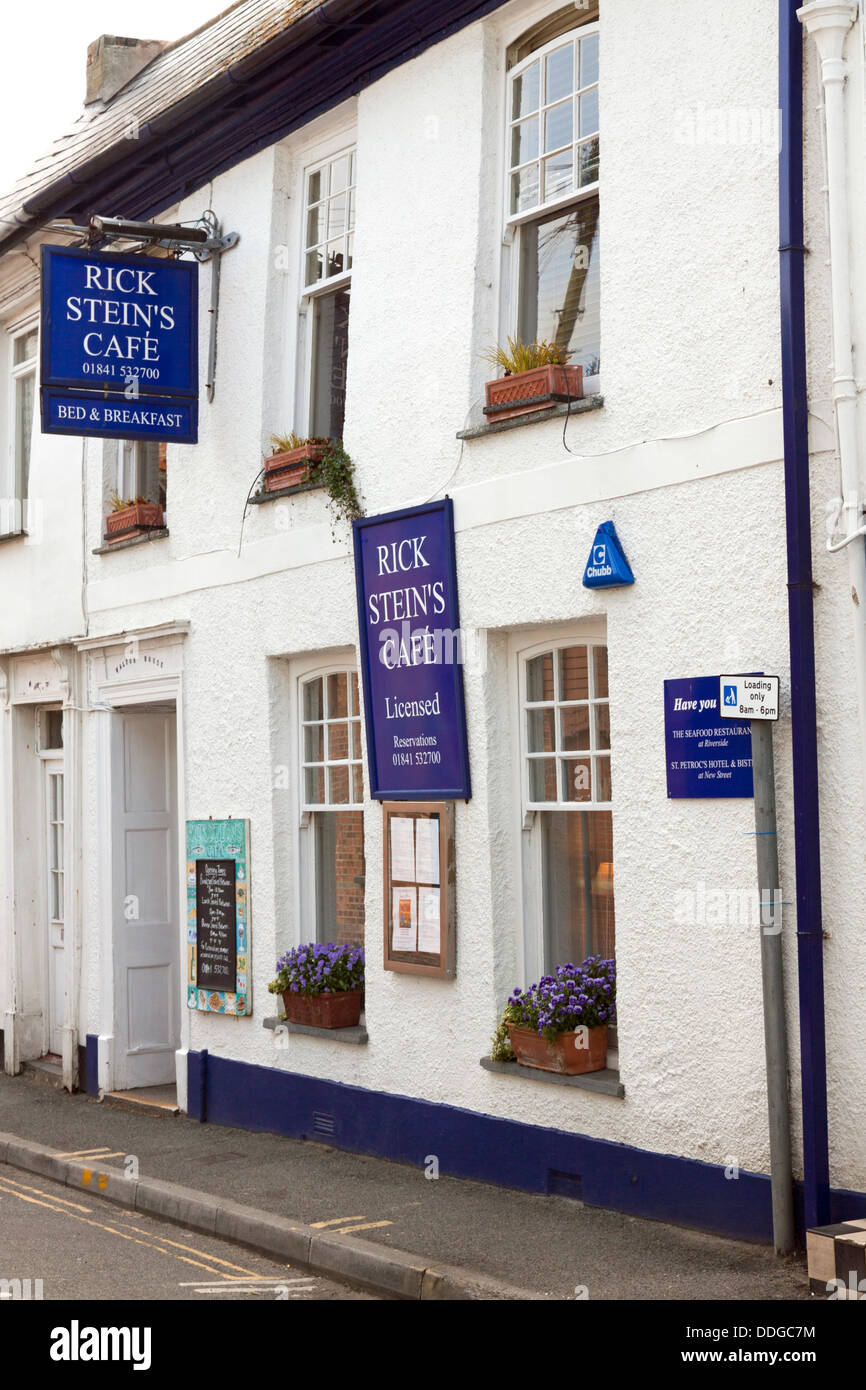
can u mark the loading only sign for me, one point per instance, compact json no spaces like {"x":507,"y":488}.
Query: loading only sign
{"x":749,"y":697}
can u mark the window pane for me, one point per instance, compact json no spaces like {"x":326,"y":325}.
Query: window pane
{"x":315,"y":226}
{"x":600,"y":672}
{"x":57,"y":897}
{"x":330,"y":354}
{"x":524,"y":189}
{"x":340,"y":174}
{"x":24,"y":393}
{"x":524,"y":141}
{"x":315,"y":267}
{"x":587,"y":163}
{"x":558,"y":126}
{"x":542,"y":779}
{"x":577,"y":878}
{"x":589,"y":113}
{"x":589,"y":60}
{"x":313,"y":699}
{"x":25,"y":347}
{"x":335,"y":258}
{"x":574,"y":728}
{"x":539,"y":677}
{"x":525,"y":92}
{"x":353,"y":694}
{"x":337,"y":216}
{"x":573,"y":674}
{"x":357,"y":784}
{"x":602,"y":779}
{"x":340,"y":875}
{"x":316,"y":186}
{"x":337,"y":695}
{"x":350,"y":214}
{"x":559,"y":283}
{"x":314,"y":786}
{"x":338,"y":786}
{"x":540,"y":731}
{"x":356,"y":739}
{"x":559,"y":76}
{"x":350,"y":251}
{"x":314,"y":744}
{"x":52,"y":728}
{"x":338,"y":742}
{"x":576,"y":780}
{"x":559,"y":174}
{"x":602,"y":725}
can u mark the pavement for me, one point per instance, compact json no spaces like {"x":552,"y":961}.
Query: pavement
{"x":381,"y":1225}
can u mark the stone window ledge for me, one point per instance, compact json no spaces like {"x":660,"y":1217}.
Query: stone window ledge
{"x":605,"y":1082}
{"x":259,"y":498}
{"x":107,"y":549}
{"x":357,"y":1035}
{"x":552,"y":412}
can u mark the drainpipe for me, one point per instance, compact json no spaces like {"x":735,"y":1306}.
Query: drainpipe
{"x":810,"y":961}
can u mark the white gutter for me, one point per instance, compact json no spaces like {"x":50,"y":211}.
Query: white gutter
{"x":829,"y":22}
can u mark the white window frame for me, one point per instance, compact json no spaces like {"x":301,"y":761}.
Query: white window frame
{"x":344,"y":144}
{"x":513,"y":223}
{"x":527,"y":826}
{"x":306,"y":905}
{"x":13,"y":500}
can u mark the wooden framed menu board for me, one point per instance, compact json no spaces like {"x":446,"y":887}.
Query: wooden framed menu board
{"x":420,"y":928}
{"x":218,"y":978}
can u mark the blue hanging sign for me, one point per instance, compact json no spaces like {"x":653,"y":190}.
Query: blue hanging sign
{"x":607,"y":566}
{"x":412,"y":652}
{"x":706,"y":754}
{"x":123,"y":329}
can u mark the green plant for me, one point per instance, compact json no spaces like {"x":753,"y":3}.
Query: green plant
{"x":319,"y":969}
{"x":501,"y":1050}
{"x":335,"y":472}
{"x":574,"y":996}
{"x":285,"y":443}
{"x":518,"y":356}
{"x":120,"y":504}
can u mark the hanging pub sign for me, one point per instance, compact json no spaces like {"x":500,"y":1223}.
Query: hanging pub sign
{"x":412,"y":654}
{"x":119,"y":353}
{"x":706,"y":755}
{"x":218,"y":978}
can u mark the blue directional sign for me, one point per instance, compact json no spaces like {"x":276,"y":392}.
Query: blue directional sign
{"x":412,"y":650}
{"x":123,"y":329}
{"x":607,"y":567}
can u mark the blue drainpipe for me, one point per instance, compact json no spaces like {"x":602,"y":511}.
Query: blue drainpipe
{"x":807,"y":856}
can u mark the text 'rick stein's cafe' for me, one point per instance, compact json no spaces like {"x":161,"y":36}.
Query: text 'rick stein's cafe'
{"x":414,"y":697}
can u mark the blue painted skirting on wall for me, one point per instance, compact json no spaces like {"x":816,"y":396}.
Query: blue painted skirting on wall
{"x":91,"y":1080}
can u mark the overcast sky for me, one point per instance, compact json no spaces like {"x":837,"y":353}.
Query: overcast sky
{"x":43,"y":51}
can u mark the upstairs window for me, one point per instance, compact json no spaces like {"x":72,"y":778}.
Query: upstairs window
{"x":552,"y":201}
{"x":22,"y":348}
{"x":329,"y":234}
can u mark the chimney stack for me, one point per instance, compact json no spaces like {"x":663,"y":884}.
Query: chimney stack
{"x":113,"y":61}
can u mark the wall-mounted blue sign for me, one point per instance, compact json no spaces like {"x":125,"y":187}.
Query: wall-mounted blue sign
{"x":126,"y":329}
{"x":607,"y":567}
{"x":411,"y":654}
{"x":706,"y":755}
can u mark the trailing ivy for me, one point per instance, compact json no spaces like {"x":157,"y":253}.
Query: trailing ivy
{"x":336,"y":474}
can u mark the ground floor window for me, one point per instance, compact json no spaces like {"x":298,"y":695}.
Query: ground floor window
{"x":332,"y":794}
{"x":565,"y":756}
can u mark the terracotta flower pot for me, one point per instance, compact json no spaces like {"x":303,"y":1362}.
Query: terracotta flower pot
{"x":341,"y":1009}
{"x":292,"y":467}
{"x":537,"y":389}
{"x":134,"y":521}
{"x":563,"y":1054}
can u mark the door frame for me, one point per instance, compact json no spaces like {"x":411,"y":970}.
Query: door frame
{"x":53,"y":762}
{"x":111,"y":698}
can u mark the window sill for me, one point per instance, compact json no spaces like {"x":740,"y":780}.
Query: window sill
{"x":552,"y":412}
{"x":605,"y":1082}
{"x":12,"y":535}
{"x":357,"y":1035}
{"x":285,"y":492}
{"x":133,"y":540}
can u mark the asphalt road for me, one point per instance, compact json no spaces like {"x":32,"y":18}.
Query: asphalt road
{"x":86,"y":1249}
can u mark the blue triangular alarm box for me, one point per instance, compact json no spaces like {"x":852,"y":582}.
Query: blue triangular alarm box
{"x":607,"y":566}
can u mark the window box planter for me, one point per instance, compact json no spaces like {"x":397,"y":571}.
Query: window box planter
{"x":562,"y":1054}
{"x":338,"y":1009}
{"x":524,"y":392}
{"x":291,"y":468}
{"x":136,"y":520}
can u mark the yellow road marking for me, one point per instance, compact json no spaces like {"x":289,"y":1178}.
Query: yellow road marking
{"x":84,"y":1153}
{"x":43,"y":1193}
{"x":368,"y":1226}
{"x":111,"y":1230}
{"x":335,"y":1221}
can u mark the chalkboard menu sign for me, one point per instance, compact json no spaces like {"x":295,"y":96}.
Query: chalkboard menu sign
{"x":216,"y":906}
{"x":218,"y":924}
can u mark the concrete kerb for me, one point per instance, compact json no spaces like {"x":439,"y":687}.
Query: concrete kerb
{"x":382,"y":1269}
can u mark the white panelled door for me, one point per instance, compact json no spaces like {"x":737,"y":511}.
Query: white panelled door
{"x":52,"y":771}
{"x":145,"y":897}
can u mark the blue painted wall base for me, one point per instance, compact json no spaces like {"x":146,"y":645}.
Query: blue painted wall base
{"x":508,"y":1153}
{"x":91,"y":1077}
